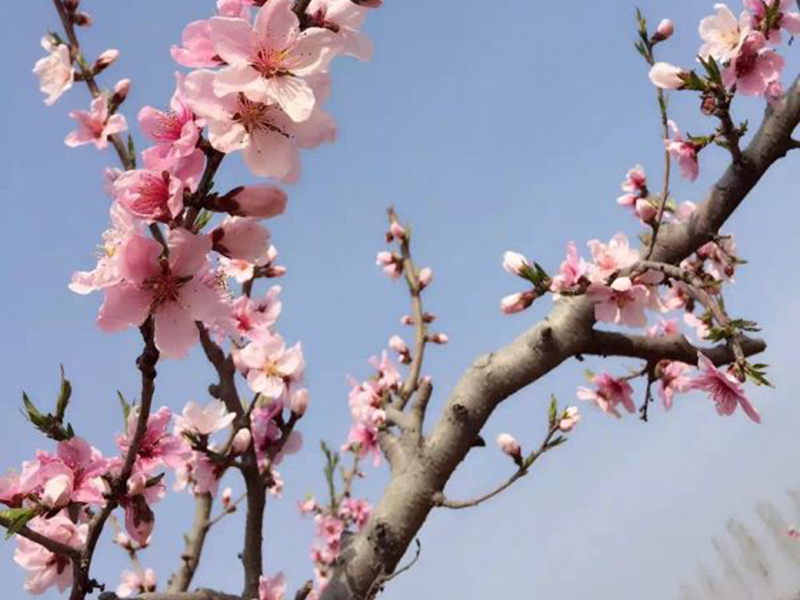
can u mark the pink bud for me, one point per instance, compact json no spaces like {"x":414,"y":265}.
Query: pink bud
{"x":241,"y":441}
{"x":664,"y":31}
{"x":137,"y":484}
{"x":793,"y":532}
{"x":515,"y":263}
{"x":646,"y":211}
{"x":276,"y":271}
{"x":439,"y":338}
{"x":106,"y":59}
{"x":121,"y":90}
{"x":262,"y":201}
{"x":425,"y":277}
{"x":392,"y":263}
{"x":307,"y":506}
{"x":122,"y":540}
{"x":57,"y":491}
{"x":242,"y":238}
{"x":407,"y":320}
{"x":397,"y":231}
{"x":299,"y":402}
{"x":227,"y":498}
{"x":397,"y":344}
{"x":569,"y":419}
{"x":517,"y":302}
{"x":667,"y":76}
{"x":508,"y":444}
{"x":82,"y":19}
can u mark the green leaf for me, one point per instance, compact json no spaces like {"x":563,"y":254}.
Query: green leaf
{"x":203,"y":219}
{"x":18,"y":518}
{"x":126,"y":407}
{"x":553,"y":411}
{"x":64,"y":394}
{"x":34,"y":416}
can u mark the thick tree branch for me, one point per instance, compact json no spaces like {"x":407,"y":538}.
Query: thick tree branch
{"x":196,"y":595}
{"x":408,"y":499}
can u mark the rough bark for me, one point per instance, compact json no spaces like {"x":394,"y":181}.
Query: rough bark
{"x":375,"y":552}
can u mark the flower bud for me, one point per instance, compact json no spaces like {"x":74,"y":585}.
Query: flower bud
{"x":646,"y":211}
{"x":121,"y":91}
{"x":439,"y":338}
{"x":569,"y":419}
{"x":397,"y":231}
{"x":261,"y":201}
{"x":105,"y":60}
{"x":82,"y":19}
{"x":123,"y":541}
{"x":227,"y":500}
{"x":57,"y":491}
{"x":425,"y":277}
{"x":276,"y":271}
{"x":299,"y":402}
{"x":517,"y":302}
{"x":667,"y":77}
{"x":241,"y":441}
{"x":509,"y":445}
{"x":407,"y":320}
{"x":391,"y":263}
{"x":515,"y":263}
{"x":397,"y":344}
{"x":137,"y":483}
{"x":664,"y":31}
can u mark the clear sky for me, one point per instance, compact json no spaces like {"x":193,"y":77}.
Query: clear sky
{"x":490,"y":126}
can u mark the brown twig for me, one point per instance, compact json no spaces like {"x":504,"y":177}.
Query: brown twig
{"x":44,"y":541}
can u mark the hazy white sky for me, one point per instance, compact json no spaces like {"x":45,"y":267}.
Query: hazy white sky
{"x":490,"y":126}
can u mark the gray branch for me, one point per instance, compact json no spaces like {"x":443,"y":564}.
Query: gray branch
{"x":568,"y":331}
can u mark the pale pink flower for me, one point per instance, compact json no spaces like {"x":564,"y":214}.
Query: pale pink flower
{"x":363,"y":439}
{"x":95,"y":126}
{"x":203,"y":420}
{"x":54,"y":71}
{"x":172,"y":290}
{"x":239,"y":270}
{"x":270,"y":367}
{"x":790,"y":21}
{"x":397,"y":231}
{"x":298,"y":403}
{"x":46,"y":569}
{"x":725,"y":390}
{"x":254,"y":319}
{"x":723,"y":34}
{"x":272,"y":588}
{"x":107,"y":272}
{"x":12,"y":490}
{"x":197,"y":50}
{"x":158,"y":447}
{"x":702,"y":329}
{"x":267,"y":61}
{"x":518,"y":302}
{"x":149,"y":195}
{"x":570,"y":419}
{"x":610,"y":392}
{"x":175,"y":129}
{"x":755,"y":67}
{"x":623,"y":302}
{"x":571,"y":272}
{"x":664,"y":327}
{"x":269,"y":139}
{"x":672,"y":379}
{"x":646,"y":210}
{"x":261,"y":201}
{"x":345,"y":18}
{"x":720,"y":258}
{"x":134,"y":583}
{"x":242,"y":238}
{"x":509,"y":445}
{"x":357,"y":511}
{"x":516,"y":263}
{"x":189,"y":168}
{"x":634,"y":186}
{"x":664,"y":30}
{"x":667,"y":77}
{"x":241,"y":441}
{"x":683,"y":151}
{"x":611,"y":257}
{"x":387,"y":373}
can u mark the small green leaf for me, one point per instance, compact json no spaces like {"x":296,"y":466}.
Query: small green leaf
{"x":18,"y":518}
{"x":126,"y":407}
{"x":553,"y":411}
{"x":64,"y":394}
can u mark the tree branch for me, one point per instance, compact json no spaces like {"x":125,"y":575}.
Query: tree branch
{"x":195,"y":540}
{"x":196,"y":595}
{"x":44,"y":541}
{"x":567,"y":331}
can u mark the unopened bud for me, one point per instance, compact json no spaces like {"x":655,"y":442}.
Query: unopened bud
{"x":517,"y":302}
{"x":397,"y":231}
{"x":439,"y":338}
{"x":397,"y":344}
{"x":241,"y":441}
{"x":105,"y":60}
{"x":299,"y":402}
{"x":137,"y":483}
{"x":121,"y":91}
{"x":425,"y":277}
{"x":510,"y":446}
{"x":515,"y":263}
{"x":227,"y":500}
{"x":407,"y":320}
{"x":646,"y":211}
{"x":569,"y":419}
{"x":276,"y":271}
{"x":664,"y":31}
{"x":260,"y":201}
{"x":82,"y":19}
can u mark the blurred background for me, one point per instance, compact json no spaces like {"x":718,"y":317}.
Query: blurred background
{"x":490,"y":126}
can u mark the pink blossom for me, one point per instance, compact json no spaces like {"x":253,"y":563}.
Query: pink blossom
{"x":134,"y":583}
{"x":298,"y":403}
{"x":345,"y":18}
{"x":54,"y":71}
{"x":570,"y":419}
{"x":387,"y":373}
{"x":755,"y":67}
{"x":12,"y":490}
{"x":609,"y":393}
{"x":197,"y":50}
{"x":684,"y":152}
{"x":571,"y":272}
{"x":509,"y":445}
{"x":391,"y":263}
{"x":723,"y":34}
{"x":363,"y":440}
{"x":518,"y":302}
{"x":357,"y":511}
{"x":634,"y":186}
{"x":239,"y":270}
{"x":664,"y":30}
{"x":241,"y":441}
{"x":672,"y":379}
{"x":516,"y":263}
{"x":269,"y":139}
{"x":270,"y":367}
{"x":158,"y":447}
{"x":667,"y":77}
{"x":203,"y":420}
{"x":95,"y":126}
{"x":725,"y":390}
{"x":175,"y":129}
{"x":149,"y":195}
{"x":790,"y":21}
{"x":267,"y":62}
{"x":720,"y":258}
{"x":664,"y":327}
{"x":439,"y":338}
{"x":172,"y":289}
{"x":254,"y":319}
{"x":272,"y":588}
{"x":164,"y":159}
{"x":611,"y":257}
{"x":242,"y":238}
{"x":46,"y":569}
{"x":701,"y":327}
{"x":261,"y":201}
{"x":623,"y":302}
{"x":396,"y":231}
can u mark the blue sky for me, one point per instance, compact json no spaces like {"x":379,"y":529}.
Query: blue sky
{"x":490,"y":126}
